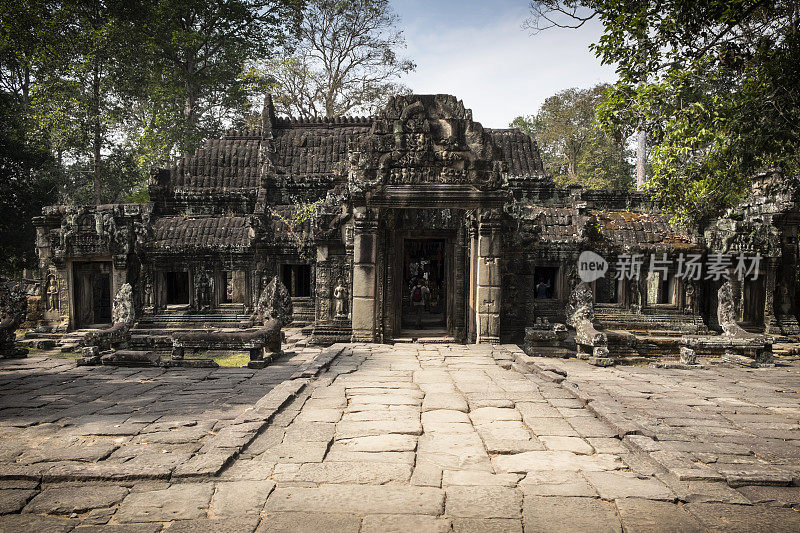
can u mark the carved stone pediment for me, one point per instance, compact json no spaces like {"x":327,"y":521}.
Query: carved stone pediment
{"x":426,"y":140}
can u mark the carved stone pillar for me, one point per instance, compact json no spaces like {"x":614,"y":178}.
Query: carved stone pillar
{"x":770,"y":323}
{"x":489,"y":278}
{"x":364,"y":270}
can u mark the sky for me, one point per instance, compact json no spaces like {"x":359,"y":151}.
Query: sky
{"x":478,"y":51}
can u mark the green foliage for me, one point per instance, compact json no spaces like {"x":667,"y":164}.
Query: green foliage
{"x":193,"y":67}
{"x":573,"y":147}
{"x":102,"y":91}
{"x":298,"y":218}
{"x":26,"y":184}
{"x":716,"y":83}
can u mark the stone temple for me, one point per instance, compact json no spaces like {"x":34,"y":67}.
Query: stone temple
{"x":352,"y":213}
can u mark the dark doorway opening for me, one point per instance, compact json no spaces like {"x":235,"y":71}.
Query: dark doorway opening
{"x":92,"y":283}
{"x":544,"y":282}
{"x":607,"y":291}
{"x":297,"y":279}
{"x":753,"y":305}
{"x":177,"y":288}
{"x":424,"y":302}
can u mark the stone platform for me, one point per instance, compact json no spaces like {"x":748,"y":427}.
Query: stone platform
{"x":412,"y":437}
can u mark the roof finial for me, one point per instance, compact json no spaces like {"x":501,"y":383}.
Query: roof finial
{"x":267,"y":117}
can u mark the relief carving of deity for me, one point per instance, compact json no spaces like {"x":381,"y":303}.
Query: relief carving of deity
{"x":340,"y":299}
{"x":52,"y":292}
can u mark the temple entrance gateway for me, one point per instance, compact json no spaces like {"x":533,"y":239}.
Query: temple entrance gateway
{"x":424,"y":300}
{"x":92,"y":293}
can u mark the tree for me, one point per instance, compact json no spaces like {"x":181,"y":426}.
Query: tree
{"x":715,"y":82}
{"x":193,"y":59}
{"x":573,"y":148}
{"x":26,"y":184}
{"x":345,"y":60}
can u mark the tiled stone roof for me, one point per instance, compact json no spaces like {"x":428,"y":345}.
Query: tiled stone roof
{"x":556,"y":224}
{"x":217,"y":233}
{"x":311,"y":151}
{"x":304,"y":148}
{"x":228,"y":163}
{"x":633,"y":228}
{"x":519,"y":151}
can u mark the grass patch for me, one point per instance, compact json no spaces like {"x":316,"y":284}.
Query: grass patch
{"x":52,"y":354}
{"x":233,"y":360}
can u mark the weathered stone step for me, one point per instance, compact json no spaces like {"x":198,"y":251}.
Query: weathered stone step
{"x":131,"y":358}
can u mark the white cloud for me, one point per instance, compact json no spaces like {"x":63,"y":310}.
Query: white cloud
{"x":497,"y":68}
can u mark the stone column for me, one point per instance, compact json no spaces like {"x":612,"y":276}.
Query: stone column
{"x":472,"y":310}
{"x":489,"y":278}
{"x":364,"y":259}
{"x":770,"y":323}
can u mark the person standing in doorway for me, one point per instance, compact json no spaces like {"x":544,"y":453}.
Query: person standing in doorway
{"x":542,"y":290}
{"x":418,"y":300}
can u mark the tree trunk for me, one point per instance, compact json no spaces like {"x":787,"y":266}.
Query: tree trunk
{"x":97,"y":142}
{"x":641,"y":159}
{"x":189,"y":112}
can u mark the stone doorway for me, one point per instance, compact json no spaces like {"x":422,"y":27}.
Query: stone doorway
{"x":92,"y":293}
{"x":424,"y":261}
{"x":177,"y":288}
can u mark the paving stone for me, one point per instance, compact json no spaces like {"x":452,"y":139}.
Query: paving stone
{"x":358,"y":499}
{"x":308,"y":522}
{"x":222,"y":525}
{"x":786,"y":496}
{"x":483,"y":502}
{"x":309,"y":432}
{"x":487,"y":525}
{"x":349,"y":430}
{"x":613,"y":485}
{"x":511,"y":446}
{"x":380,"y":443}
{"x":339,"y":455}
{"x":556,"y":484}
{"x":204,"y":464}
{"x":178,"y":502}
{"x":13,"y":500}
{"x":554,"y":460}
{"x":445,"y":416}
{"x":237,"y":498}
{"x":654,"y":516}
{"x":98,"y":517}
{"x":404,"y":523}
{"x":297,"y":452}
{"x":76,"y":498}
{"x":607,"y":445}
{"x":570,"y":514}
{"x":426,"y":474}
{"x":88,"y":453}
{"x":568,"y":444}
{"x":16,"y":523}
{"x":362,"y":473}
{"x":119,"y":528}
{"x":550,"y":426}
{"x":702,"y":491}
{"x":745,"y":518}
{"x":485,"y":415}
{"x":454,"y":402}
{"x":319,"y":415}
{"x":479,"y":478}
